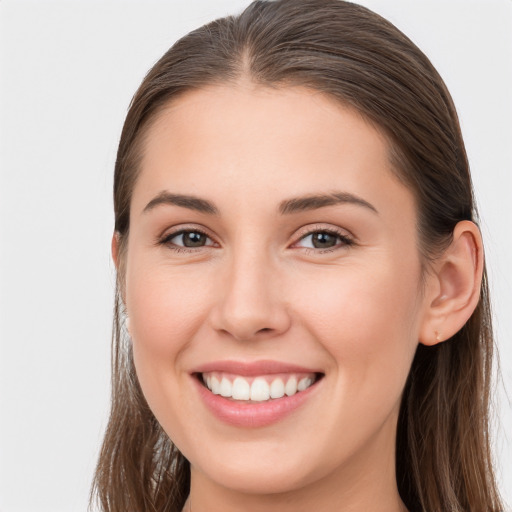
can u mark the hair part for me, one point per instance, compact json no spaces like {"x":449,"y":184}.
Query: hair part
{"x":356,"y":57}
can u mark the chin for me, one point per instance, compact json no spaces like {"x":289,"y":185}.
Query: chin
{"x":260,"y":469}
{"x":260,"y":479}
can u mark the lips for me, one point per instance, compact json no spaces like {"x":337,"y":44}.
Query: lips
{"x":254,"y":394}
{"x":252,"y":369}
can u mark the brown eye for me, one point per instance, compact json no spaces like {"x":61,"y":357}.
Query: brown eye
{"x":193,"y":239}
{"x":324,"y":240}
{"x":188,"y":239}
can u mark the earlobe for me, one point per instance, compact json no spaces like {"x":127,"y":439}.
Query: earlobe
{"x":455,"y":286}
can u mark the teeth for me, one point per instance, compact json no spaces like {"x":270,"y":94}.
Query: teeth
{"x":304,"y":383}
{"x":226,"y":388}
{"x":260,"y":389}
{"x":291,"y":386}
{"x":214,"y":385}
{"x":277,"y":389}
{"x":241,"y":389}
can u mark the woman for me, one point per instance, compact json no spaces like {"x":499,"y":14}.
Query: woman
{"x":302,"y":319}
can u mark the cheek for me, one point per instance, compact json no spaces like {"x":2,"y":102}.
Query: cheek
{"x":367,"y":324}
{"x":367,"y":320}
{"x":165,"y":307}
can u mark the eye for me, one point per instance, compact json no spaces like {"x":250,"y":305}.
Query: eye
{"x":324,"y":239}
{"x":188,"y":238}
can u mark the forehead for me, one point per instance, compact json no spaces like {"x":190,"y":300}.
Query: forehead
{"x":255,"y":144}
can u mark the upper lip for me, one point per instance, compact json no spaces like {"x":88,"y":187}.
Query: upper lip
{"x":249,"y":369}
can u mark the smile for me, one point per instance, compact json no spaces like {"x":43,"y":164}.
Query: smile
{"x":255,"y":394}
{"x":257,"y":389}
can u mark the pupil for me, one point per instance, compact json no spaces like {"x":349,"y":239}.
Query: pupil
{"x":193,"y":239}
{"x":323,"y":240}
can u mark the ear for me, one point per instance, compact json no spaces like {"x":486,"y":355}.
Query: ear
{"x":453,"y":289}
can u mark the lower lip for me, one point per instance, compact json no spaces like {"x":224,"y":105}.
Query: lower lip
{"x":252,"y":415}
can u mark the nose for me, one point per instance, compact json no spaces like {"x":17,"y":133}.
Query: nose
{"x":251,"y":302}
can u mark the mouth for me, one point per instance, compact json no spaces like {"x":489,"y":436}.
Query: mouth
{"x":256,"y":389}
{"x":255,"y":394}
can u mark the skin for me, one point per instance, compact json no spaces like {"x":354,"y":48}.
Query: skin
{"x":259,"y":290}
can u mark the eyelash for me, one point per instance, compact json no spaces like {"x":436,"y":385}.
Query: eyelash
{"x":166,"y":240}
{"x":346,"y":241}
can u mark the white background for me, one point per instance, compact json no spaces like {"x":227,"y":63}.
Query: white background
{"x":67,"y":73}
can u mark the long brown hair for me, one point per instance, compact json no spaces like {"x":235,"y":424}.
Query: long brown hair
{"x":443,"y":460}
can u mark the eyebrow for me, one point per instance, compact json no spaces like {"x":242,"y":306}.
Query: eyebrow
{"x":312,"y":202}
{"x":185,"y":201}
{"x":286,"y":207}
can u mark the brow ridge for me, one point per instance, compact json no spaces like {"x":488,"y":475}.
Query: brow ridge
{"x":286,"y":207}
{"x":314,"y":201}
{"x":185,"y":201}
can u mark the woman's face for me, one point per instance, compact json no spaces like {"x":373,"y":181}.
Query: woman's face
{"x":272,"y":252}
